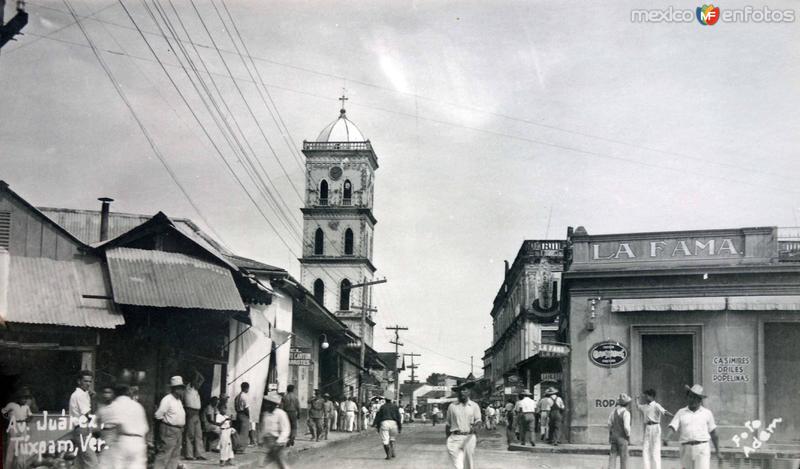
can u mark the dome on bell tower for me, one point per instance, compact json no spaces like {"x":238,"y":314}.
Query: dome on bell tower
{"x":341,"y":130}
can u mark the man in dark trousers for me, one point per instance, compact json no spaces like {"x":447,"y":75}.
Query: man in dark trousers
{"x":316,"y":415}
{"x":389,"y":425}
{"x":242,"y":407}
{"x":291,"y":405}
{"x":619,"y":433}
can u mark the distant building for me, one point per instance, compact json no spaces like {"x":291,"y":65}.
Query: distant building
{"x":526,"y":349}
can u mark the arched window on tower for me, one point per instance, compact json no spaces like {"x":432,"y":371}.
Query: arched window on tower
{"x":323,"y":192}
{"x":348,"y":242}
{"x":319,"y":239}
{"x":344,"y":295}
{"x":319,"y":291}
{"x":348,"y":193}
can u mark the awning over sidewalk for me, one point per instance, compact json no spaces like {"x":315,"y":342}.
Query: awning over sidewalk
{"x":167,"y":279}
{"x":706,"y":303}
{"x":47,"y":291}
{"x":764,"y":303}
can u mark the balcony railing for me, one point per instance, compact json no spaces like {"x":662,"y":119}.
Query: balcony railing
{"x":789,"y":244}
{"x":347,"y":201}
{"x":328,"y":146}
{"x":323,"y":202}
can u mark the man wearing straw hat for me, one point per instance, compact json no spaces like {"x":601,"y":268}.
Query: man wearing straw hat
{"x":619,"y":432}
{"x":173,"y":418}
{"x":695,"y":427}
{"x":525,"y":409}
{"x":275,"y":431}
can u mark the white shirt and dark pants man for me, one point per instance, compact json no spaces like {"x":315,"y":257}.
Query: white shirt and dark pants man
{"x":193,"y":432}
{"x":525,"y":409}
{"x":173,"y":418}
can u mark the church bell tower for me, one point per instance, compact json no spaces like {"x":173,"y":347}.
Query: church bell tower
{"x":338,"y":224}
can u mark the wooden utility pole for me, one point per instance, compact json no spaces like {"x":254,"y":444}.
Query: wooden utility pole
{"x":413,"y":365}
{"x":14,"y":25}
{"x":471,"y":367}
{"x":397,"y":346}
{"x":364,"y":308}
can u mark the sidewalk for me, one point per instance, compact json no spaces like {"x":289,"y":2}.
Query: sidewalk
{"x":667,"y":452}
{"x":253,"y":457}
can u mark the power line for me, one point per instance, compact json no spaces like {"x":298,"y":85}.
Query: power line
{"x":287,"y":136}
{"x":197,"y":118}
{"x":500,"y":115}
{"x":150,"y":141}
{"x":244,"y":99}
{"x":264,"y":188}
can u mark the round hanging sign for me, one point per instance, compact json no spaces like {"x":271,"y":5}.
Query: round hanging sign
{"x":608,"y":354}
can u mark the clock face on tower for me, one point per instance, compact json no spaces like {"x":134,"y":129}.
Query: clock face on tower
{"x":335,"y":173}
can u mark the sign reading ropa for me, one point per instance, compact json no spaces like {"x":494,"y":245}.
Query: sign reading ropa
{"x":668,"y":249}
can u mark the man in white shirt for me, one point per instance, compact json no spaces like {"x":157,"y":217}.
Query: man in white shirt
{"x":80,"y":404}
{"x":651,"y":415}
{"x":525,"y":408}
{"x":128,"y":417}
{"x":275,"y":431}
{"x":462,"y":420}
{"x":350,"y":410}
{"x":193,"y":432}
{"x":173,"y":418}
{"x":695,"y":427}
{"x":619,"y":432}
{"x":490,"y":417}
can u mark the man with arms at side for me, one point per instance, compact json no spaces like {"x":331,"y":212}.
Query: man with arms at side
{"x":172,"y":419}
{"x":695,"y":427}
{"x":193,"y":432}
{"x":619,"y":432}
{"x":526,"y":409}
{"x":80,"y":405}
{"x":462,"y":420}
{"x":291,"y":405}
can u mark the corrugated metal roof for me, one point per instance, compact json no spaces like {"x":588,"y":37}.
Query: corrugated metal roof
{"x":49,"y":291}
{"x":166,"y":279}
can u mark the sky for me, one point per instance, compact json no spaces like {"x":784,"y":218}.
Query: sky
{"x":494,"y":122}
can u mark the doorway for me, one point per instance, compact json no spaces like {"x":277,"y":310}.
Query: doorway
{"x":782,"y":374}
{"x":667,"y":366}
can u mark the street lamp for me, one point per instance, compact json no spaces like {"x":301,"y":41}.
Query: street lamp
{"x":325,"y":343}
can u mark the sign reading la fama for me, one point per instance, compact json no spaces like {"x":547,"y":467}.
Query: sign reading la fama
{"x":667,"y":249}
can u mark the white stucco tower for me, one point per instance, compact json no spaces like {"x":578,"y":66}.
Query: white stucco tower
{"x":338,"y":225}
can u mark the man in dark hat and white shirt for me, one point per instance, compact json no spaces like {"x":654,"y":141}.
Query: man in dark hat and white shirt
{"x":462,"y":420}
{"x":173,"y":418}
{"x":695,"y":427}
{"x":526,"y":412}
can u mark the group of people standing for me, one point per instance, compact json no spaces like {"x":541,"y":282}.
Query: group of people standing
{"x":526,"y":418}
{"x":328,"y":415}
{"x":694,"y":425}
